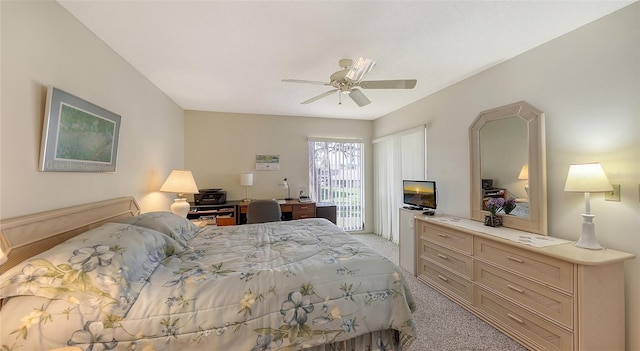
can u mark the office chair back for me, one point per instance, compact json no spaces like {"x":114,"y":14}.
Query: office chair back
{"x":262,"y":211}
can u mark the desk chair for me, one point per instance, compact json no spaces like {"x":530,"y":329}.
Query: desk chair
{"x":262,"y":211}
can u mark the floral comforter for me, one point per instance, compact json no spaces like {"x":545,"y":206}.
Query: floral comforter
{"x":274,"y":286}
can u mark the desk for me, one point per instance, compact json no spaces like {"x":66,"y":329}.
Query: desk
{"x":225,"y":214}
{"x":291,"y":209}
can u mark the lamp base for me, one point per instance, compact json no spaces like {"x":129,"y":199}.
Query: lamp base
{"x":246,"y":200}
{"x":180,"y":207}
{"x":588,"y":237}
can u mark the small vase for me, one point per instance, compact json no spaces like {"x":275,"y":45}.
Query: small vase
{"x":493,"y":220}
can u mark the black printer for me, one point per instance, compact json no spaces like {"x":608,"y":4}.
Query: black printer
{"x":210,"y":197}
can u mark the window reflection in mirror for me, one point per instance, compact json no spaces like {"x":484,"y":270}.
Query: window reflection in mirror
{"x":504,"y":150}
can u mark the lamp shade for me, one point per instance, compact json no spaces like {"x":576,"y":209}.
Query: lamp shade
{"x":3,"y":255}
{"x":524,"y":172}
{"x":587,"y":178}
{"x":181,"y":182}
{"x":246,"y":179}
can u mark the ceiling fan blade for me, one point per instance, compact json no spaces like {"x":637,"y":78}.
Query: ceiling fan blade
{"x":359,"y":97}
{"x":319,"y":96}
{"x":389,"y":84}
{"x":305,"y":81}
{"x":359,"y":69}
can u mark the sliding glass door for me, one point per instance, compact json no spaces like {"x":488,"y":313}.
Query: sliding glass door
{"x":336,"y":175}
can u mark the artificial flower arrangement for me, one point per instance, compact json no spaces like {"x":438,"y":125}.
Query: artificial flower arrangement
{"x":495,"y":205}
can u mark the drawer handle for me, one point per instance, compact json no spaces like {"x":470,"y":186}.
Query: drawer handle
{"x":515,"y":318}
{"x":515,"y":289}
{"x":515,"y":259}
{"x":443,"y":235}
{"x":443,"y":278}
{"x":444,"y":257}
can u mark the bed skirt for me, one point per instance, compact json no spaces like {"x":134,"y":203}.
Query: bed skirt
{"x":388,"y":340}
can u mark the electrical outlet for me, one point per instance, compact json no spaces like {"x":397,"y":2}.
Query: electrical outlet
{"x":613,"y":195}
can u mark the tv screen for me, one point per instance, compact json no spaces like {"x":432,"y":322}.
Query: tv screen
{"x":420,"y":193}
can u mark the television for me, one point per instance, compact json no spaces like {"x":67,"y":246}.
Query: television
{"x":420,"y":194}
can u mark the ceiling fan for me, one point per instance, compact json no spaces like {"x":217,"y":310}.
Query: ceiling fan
{"x":349,"y":79}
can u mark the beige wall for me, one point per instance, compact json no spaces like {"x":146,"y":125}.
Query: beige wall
{"x":221,"y":146}
{"x":588,"y":84}
{"x":42,"y":44}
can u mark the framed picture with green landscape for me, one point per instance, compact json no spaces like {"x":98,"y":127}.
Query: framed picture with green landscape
{"x":77,"y":136}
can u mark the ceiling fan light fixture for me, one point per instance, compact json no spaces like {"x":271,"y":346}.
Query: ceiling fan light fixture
{"x":361,"y":67}
{"x":349,"y":79}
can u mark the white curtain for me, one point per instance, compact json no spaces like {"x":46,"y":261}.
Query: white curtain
{"x":396,"y":157}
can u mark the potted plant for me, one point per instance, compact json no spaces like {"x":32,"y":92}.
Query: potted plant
{"x":494,"y":205}
{"x":509,"y":205}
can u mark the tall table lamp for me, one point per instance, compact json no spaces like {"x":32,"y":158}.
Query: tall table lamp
{"x":246,"y":180}
{"x":524,"y":175}
{"x":180,"y":181}
{"x":587,"y":178}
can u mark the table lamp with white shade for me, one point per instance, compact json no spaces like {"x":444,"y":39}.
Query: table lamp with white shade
{"x":587,"y":178}
{"x":246,"y":180}
{"x":181,"y":182}
{"x":524,"y":175}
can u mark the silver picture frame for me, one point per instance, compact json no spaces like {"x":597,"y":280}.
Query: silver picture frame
{"x":77,"y":136}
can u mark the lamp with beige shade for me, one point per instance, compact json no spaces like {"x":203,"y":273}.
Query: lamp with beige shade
{"x":587,"y":178}
{"x":181,"y":182}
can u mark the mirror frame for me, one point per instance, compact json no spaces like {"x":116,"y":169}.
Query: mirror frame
{"x":537,"y":221}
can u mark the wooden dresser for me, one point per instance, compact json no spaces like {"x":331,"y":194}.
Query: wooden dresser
{"x":557,"y":297}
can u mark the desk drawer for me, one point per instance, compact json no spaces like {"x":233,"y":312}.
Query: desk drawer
{"x":447,"y":237}
{"x":549,"y":336}
{"x":222,"y":221}
{"x":547,"y":302}
{"x":451,"y":259}
{"x":304,"y":211}
{"x":547,"y":270}
{"x":454,"y":284}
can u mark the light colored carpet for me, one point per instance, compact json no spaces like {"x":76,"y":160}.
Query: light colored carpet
{"x":441,"y":324}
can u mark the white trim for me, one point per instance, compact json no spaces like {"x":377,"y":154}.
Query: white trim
{"x":335,"y":140}
{"x":422,"y":127}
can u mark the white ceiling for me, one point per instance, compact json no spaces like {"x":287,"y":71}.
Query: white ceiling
{"x":230,"y":56}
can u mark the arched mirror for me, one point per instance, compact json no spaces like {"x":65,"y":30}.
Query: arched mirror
{"x":507,"y":149}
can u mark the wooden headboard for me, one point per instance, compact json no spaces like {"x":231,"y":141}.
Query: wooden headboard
{"x":27,"y":236}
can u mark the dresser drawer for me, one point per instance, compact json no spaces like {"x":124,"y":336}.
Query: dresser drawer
{"x":545,"y":269}
{"x":447,"y":237}
{"x":453,"y":260}
{"x":547,"y":302}
{"x":452,"y":283}
{"x":543,"y":333}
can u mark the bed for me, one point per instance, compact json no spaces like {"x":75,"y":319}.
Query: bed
{"x":103,"y":276}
